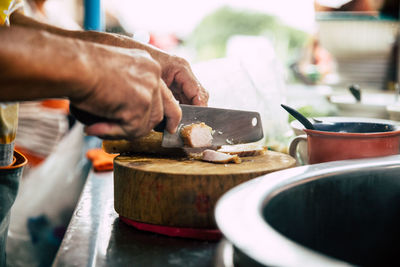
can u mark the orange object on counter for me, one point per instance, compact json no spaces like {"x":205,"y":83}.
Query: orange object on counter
{"x":60,"y":104}
{"x":102,"y":161}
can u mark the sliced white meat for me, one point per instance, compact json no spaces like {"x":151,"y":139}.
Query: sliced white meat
{"x":218,"y":157}
{"x":243,"y":150}
{"x":197,"y":135}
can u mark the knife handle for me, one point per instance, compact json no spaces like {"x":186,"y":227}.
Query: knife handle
{"x":86,"y":117}
{"x":161,"y":126}
{"x":89,"y":119}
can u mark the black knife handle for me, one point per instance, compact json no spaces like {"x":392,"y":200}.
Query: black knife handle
{"x":161,"y":126}
{"x":89,"y":118}
{"x":86,"y":117}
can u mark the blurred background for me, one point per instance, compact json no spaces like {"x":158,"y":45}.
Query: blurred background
{"x":249,"y":54}
{"x":261,"y":49}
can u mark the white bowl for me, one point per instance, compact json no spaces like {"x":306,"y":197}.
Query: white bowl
{"x":371,"y":105}
{"x":394,"y":111}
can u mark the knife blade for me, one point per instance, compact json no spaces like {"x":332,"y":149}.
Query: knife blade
{"x":229,"y":126}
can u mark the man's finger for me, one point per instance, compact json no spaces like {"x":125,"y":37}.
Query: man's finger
{"x":106,"y":130}
{"x":192,"y":88}
{"x":201,"y":99}
{"x":157,"y":109}
{"x":172,"y":111}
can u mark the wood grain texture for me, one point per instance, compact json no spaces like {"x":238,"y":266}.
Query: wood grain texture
{"x":149,"y":144}
{"x":182,"y":192}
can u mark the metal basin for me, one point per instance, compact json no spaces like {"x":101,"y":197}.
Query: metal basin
{"x":330,"y":214}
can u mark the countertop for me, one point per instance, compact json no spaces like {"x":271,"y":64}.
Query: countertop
{"x":96,"y":236}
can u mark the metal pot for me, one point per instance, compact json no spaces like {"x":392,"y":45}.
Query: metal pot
{"x":330,"y":214}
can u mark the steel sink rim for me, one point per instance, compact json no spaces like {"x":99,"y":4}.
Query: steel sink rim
{"x":241,"y":208}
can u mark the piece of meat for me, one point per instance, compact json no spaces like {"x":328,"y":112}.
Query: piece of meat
{"x":219,"y":157}
{"x":197,"y":135}
{"x":243,"y":150}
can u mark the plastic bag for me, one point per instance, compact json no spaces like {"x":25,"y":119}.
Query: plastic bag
{"x":251,"y":78}
{"x":47,"y":197}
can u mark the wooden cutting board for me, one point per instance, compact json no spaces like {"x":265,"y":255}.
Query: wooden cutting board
{"x":182,"y":192}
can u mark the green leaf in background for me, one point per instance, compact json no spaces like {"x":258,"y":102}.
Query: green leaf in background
{"x":211,"y":35}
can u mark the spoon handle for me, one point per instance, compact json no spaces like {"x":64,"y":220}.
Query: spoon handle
{"x":299,"y":117}
{"x":355,"y":91}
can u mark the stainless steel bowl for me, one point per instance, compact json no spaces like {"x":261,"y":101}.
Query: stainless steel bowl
{"x":330,"y":214}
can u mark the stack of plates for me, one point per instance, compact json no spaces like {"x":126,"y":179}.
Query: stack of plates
{"x":363,"y":47}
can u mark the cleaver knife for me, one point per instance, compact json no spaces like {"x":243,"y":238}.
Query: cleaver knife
{"x":229,"y":126}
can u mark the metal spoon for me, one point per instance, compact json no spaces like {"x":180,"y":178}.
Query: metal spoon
{"x":303,"y":120}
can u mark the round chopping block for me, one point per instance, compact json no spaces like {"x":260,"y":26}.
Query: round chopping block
{"x":182,"y":192}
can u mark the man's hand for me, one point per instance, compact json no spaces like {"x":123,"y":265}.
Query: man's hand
{"x":128,"y":92}
{"x":178,"y":76}
{"x":121,"y":86}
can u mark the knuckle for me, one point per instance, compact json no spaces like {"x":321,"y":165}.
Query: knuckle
{"x":147,"y":101}
{"x":155,"y":83}
{"x":157,"y":69}
{"x":150,"y":79}
{"x":126,"y":117}
{"x":181,"y":61}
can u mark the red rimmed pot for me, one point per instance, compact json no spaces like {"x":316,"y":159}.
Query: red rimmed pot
{"x":340,"y":143}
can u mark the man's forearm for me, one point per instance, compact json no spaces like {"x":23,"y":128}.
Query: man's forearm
{"x":175,"y":71}
{"x":19,"y":19}
{"x":35,"y":65}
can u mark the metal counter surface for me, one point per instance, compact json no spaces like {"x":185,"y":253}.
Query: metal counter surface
{"x":96,"y":236}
